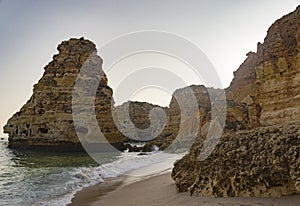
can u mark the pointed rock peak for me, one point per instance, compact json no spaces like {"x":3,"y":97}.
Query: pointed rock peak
{"x":75,"y":45}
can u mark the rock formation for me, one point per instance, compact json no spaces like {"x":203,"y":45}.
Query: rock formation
{"x":182,"y":114}
{"x":259,"y":162}
{"x":180,"y":118}
{"x":261,"y":156}
{"x":257,"y":155}
{"x":268,"y":81}
{"x":181,"y":128}
{"x":133,"y":119}
{"x":46,"y":120}
{"x":188,"y":114}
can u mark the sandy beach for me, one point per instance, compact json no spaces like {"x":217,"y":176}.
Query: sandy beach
{"x":160,"y":191}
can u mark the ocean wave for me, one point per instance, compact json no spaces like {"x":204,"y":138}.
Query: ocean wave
{"x":88,"y":176}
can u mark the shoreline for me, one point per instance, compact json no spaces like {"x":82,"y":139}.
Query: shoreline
{"x":88,"y":195}
{"x":160,"y":190}
{"x":91,"y":193}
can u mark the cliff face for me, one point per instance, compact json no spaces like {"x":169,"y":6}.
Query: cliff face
{"x":134,"y":120}
{"x":189,"y":116}
{"x":188,"y":111}
{"x":278,"y":71}
{"x":185,"y":114}
{"x":46,"y":120}
{"x":268,"y":81}
{"x":180,"y":120}
{"x":262,"y":161}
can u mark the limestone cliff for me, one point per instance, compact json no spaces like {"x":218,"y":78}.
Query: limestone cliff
{"x":46,"y":120}
{"x":268,"y":81}
{"x":181,"y":125}
{"x":133,"y":119}
{"x":262,"y":161}
{"x":188,"y":115}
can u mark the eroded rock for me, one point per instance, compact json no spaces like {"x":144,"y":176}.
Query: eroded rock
{"x":258,"y":155}
{"x":46,"y":120}
{"x":259,"y":162}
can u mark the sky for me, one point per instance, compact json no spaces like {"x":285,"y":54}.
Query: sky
{"x":225,"y":31}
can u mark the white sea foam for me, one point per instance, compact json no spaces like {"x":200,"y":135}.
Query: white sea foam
{"x":134,"y":165}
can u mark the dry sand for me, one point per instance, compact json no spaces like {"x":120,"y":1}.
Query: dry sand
{"x":160,"y":191}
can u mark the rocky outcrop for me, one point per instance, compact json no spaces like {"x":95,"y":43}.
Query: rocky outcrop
{"x":260,"y":157}
{"x":190,"y":113}
{"x":259,"y":162}
{"x":178,"y":124}
{"x":139,"y":122}
{"x":189,"y":109}
{"x":46,"y":120}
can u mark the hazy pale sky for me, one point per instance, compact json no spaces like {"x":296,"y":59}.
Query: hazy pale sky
{"x":31,"y":30}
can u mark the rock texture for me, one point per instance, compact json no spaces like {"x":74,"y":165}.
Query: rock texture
{"x":185,"y":122}
{"x":133,"y":119}
{"x":268,"y":81}
{"x":260,"y":155}
{"x":188,"y":115}
{"x":46,"y":120}
{"x":260,"y":162}
{"x":188,"y":111}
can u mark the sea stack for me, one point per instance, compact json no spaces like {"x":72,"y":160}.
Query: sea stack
{"x":262,"y":157}
{"x":46,"y":121}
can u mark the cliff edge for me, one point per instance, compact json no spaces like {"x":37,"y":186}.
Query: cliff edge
{"x":262,"y":158}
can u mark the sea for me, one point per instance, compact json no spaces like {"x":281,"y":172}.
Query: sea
{"x":32,"y":178}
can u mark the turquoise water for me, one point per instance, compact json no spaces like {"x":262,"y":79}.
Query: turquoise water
{"x":36,"y":178}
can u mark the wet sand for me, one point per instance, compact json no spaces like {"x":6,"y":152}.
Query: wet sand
{"x":160,"y":191}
